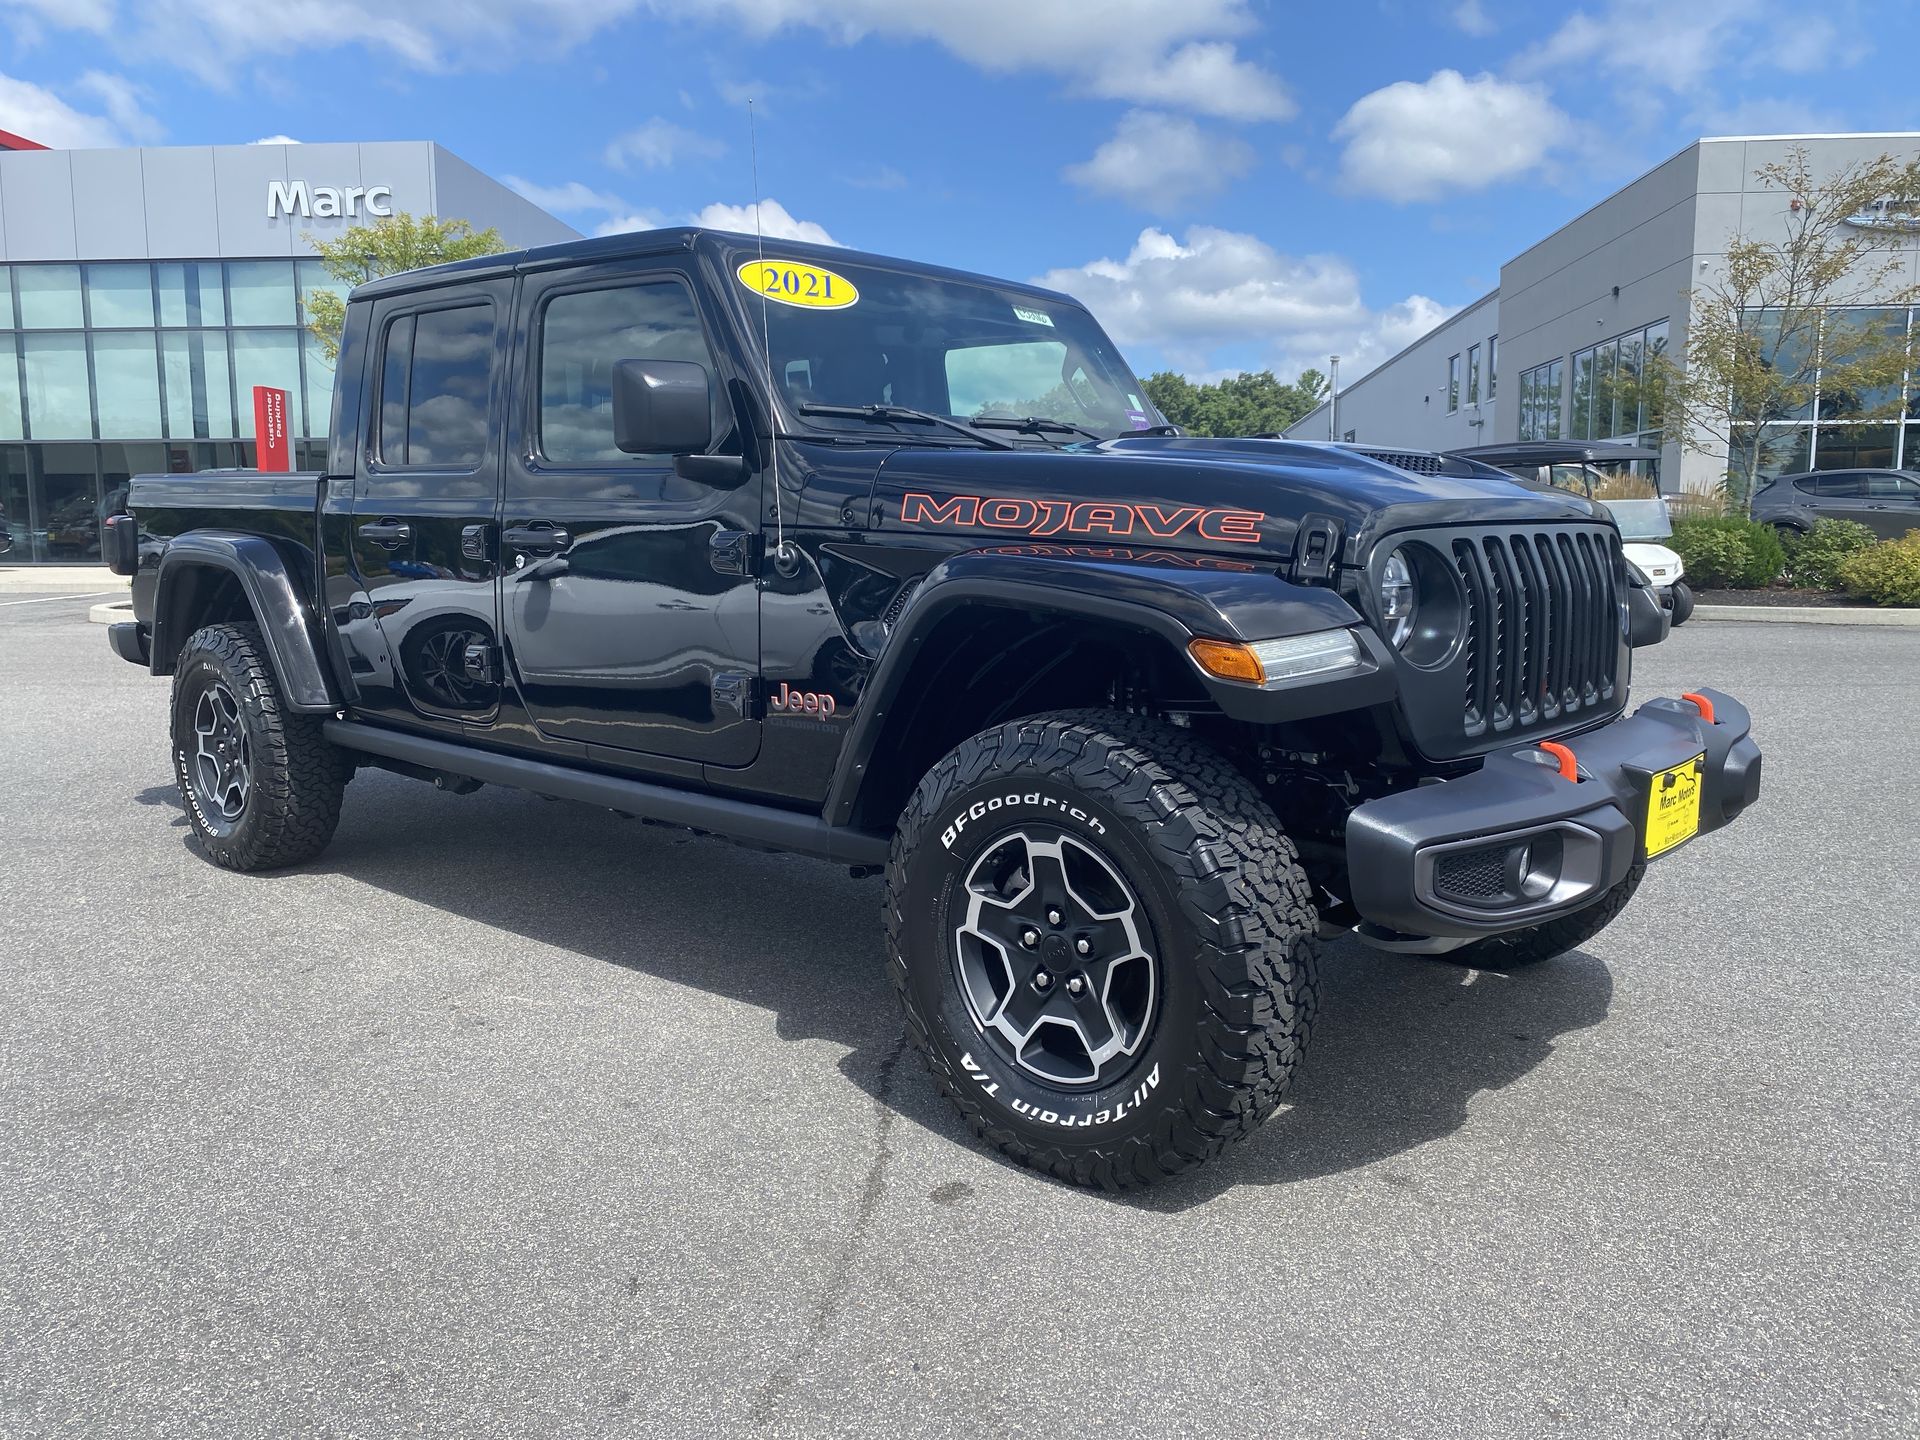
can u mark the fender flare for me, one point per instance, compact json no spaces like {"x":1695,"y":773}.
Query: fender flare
{"x":1174,"y":605}
{"x":277,"y":599}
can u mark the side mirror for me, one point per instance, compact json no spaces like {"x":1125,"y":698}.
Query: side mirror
{"x":662,"y":407}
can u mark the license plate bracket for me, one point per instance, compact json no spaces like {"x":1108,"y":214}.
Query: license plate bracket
{"x":1673,"y":805}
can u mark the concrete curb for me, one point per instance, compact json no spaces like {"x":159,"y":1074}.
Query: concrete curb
{"x":1808,"y":614}
{"x":111,"y":613}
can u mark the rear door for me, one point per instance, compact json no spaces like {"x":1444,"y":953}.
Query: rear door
{"x":1892,"y":504}
{"x":426,"y":492}
{"x":627,"y":589}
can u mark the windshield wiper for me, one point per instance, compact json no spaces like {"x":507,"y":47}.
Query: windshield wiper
{"x":884,"y":413}
{"x":1033,"y":425}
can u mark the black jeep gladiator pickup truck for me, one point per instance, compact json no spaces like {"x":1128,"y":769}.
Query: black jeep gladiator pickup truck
{"x":898,"y":567}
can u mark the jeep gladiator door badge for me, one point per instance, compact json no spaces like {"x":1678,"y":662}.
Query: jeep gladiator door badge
{"x":1087,"y":517}
{"x":788,"y":282}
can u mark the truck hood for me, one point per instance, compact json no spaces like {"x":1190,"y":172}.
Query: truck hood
{"x":1235,"y":497}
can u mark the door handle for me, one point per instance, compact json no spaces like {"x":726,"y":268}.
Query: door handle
{"x":389,"y":534}
{"x":537,"y":537}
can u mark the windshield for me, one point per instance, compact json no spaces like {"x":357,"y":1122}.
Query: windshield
{"x":1640,"y":519}
{"x":858,"y":335}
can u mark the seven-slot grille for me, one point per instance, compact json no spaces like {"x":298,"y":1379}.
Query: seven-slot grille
{"x":1542,"y":622}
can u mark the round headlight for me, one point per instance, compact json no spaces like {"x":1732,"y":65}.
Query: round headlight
{"x":1397,"y":599}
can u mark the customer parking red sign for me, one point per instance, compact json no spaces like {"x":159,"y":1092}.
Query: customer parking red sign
{"x":270,"y":428}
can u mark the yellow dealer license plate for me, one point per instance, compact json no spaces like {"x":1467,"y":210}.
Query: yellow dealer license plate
{"x":1673,"y":807}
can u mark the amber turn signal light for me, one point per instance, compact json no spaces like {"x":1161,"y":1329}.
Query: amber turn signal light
{"x":1227,"y":660}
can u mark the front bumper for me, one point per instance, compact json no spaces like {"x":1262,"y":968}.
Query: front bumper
{"x":1515,"y":844}
{"x":129,"y":641}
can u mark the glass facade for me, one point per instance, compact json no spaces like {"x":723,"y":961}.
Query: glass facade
{"x":1540,"y":401}
{"x":109,"y":369}
{"x":1842,"y":423}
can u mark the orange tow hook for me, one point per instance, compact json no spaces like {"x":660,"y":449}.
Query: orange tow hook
{"x":1700,"y":703}
{"x":1569,"y":768}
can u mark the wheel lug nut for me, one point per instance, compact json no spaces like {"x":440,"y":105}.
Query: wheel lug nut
{"x":1076,"y":985}
{"x":1053,"y":915}
{"x":1083,"y":946}
{"x":1029,"y":938}
{"x":1042,"y":980}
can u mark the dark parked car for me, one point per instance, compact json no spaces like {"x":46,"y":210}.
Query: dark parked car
{"x":1887,"y":501}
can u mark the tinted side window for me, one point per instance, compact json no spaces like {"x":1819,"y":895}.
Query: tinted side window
{"x":433,"y":388}
{"x":582,"y":335}
{"x":1843,"y":486}
{"x":1892,"y":487}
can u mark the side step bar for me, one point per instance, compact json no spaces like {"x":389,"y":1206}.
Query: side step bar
{"x":739,"y":820}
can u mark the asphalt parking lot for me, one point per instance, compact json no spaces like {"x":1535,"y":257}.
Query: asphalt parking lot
{"x":512,"y":1117}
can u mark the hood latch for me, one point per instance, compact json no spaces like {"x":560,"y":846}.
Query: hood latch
{"x":1316,"y":548}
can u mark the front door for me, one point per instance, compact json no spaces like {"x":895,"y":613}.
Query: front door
{"x":423,"y":642}
{"x":627,"y":589}
{"x":1892,"y":505}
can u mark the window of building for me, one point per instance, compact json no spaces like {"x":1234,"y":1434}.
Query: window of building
{"x":1473,"y":375}
{"x":434,"y":384}
{"x":120,"y":297}
{"x":1540,"y":401}
{"x":1846,"y":421}
{"x":582,"y":334}
{"x":1613,"y":395}
{"x":199,"y":384}
{"x":126,"y":379}
{"x":260,"y":292}
{"x":191,"y":294}
{"x":6,"y":297}
{"x":266,"y":357}
{"x":49,"y":297}
{"x":59,"y":405}
{"x":1453,"y":383}
{"x":13,"y":414}
{"x":1493,"y":364}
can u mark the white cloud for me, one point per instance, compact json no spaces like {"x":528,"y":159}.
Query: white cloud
{"x":1216,"y":291}
{"x":276,"y":140}
{"x":1207,"y":78}
{"x":1148,"y":52}
{"x":625,"y":222}
{"x":1418,"y":140}
{"x":1160,"y":161}
{"x":657,"y":144}
{"x":571,"y":198}
{"x":1679,"y":47}
{"x":1470,"y":18}
{"x":775,"y":222}
{"x":36,"y":113}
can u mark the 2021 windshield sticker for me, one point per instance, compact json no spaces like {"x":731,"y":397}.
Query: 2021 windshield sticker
{"x":789,"y":282}
{"x":1033,"y":317}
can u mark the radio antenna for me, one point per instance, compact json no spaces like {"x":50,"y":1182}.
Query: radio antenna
{"x":783,"y":558}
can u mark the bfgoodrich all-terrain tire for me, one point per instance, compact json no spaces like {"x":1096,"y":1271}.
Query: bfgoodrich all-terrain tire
{"x":1542,"y":942}
{"x":261,"y":786}
{"x":1104,"y":943}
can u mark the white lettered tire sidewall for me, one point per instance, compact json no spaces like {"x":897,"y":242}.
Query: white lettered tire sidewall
{"x":958,"y":834}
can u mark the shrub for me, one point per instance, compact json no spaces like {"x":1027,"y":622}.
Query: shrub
{"x":1813,"y":559}
{"x":1888,"y":574}
{"x":1729,"y":553}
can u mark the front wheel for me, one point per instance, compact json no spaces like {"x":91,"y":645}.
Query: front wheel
{"x":1104,"y":945}
{"x":261,"y":785}
{"x":1682,"y":602}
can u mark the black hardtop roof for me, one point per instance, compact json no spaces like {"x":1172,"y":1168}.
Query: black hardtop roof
{"x":638,"y":243}
{"x":1557,"y":452}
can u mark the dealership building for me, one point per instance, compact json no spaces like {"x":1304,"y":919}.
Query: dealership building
{"x":145,"y":292}
{"x":1557,"y":350}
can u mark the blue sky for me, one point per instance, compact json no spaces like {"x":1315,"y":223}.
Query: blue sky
{"x":1228,"y":183}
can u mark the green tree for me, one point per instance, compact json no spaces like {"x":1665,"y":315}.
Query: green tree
{"x":1251,"y":403}
{"x":1807,"y":303}
{"x":385,"y":247}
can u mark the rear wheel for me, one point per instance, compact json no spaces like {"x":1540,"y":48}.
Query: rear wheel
{"x":1520,"y":948}
{"x":1104,"y":945}
{"x":261,"y":785}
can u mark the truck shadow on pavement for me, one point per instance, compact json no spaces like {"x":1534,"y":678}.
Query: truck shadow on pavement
{"x":1401,"y":1048}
